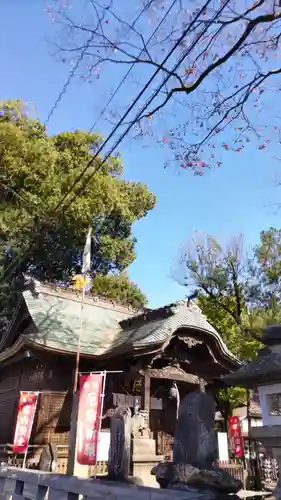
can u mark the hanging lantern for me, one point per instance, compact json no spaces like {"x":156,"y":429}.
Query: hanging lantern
{"x":173,"y":392}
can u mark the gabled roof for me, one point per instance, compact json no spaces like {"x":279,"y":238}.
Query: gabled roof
{"x":113,"y":331}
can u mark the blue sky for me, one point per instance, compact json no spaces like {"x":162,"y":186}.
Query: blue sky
{"x":238,"y":197}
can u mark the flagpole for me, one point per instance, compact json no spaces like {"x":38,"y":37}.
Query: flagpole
{"x":76,"y":372}
{"x":74,"y":413}
{"x":86,"y":264}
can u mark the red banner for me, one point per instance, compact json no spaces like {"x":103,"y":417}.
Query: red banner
{"x":26,"y":411}
{"x":236,"y":438}
{"x":89,"y":415}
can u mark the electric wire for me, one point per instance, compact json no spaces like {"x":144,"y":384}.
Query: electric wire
{"x":156,"y":92}
{"x":144,"y":108}
{"x":130,"y":68}
{"x":68,"y":81}
{"x":66,"y":85}
{"x":11,"y":266}
{"x":75,"y":67}
{"x":110,"y":100}
{"x":137,"y":98}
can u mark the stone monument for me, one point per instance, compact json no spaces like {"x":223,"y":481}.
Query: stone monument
{"x":130,"y":447}
{"x":195,"y":453}
{"x":119,"y":459}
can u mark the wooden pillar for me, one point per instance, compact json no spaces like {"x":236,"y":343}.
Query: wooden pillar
{"x":147,"y":394}
{"x":71,"y":459}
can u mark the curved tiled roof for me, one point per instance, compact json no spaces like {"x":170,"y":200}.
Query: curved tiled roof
{"x":57,"y":318}
{"x":111,"y":331}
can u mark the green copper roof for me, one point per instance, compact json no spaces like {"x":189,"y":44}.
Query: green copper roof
{"x":58,"y":322}
{"x":57,"y":318}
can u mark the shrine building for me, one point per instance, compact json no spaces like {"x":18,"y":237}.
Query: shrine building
{"x":147,"y":352}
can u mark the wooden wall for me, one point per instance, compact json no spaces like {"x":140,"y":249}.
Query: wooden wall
{"x":9,"y":388}
{"x":53,"y":380}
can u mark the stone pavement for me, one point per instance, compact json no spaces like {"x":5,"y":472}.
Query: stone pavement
{"x":249,"y":494}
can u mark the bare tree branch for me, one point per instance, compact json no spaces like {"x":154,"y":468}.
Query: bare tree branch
{"x":224,"y":81}
{"x":188,"y":89}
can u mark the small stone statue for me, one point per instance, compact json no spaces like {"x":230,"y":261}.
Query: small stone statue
{"x":195,"y":452}
{"x":139,"y":423}
{"x":32,"y":284}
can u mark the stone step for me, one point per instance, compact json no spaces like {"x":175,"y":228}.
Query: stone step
{"x":144,"y":446}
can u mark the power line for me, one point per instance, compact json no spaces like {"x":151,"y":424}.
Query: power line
{"x":67,"y":83}
{"x":115,"y":92}
{"x":129,"y":109}
{"x":131,"y":67}
{"x":28,"y":249}
{"x":75,"y":67}
{"x":63,"y":91}
{"x":139,"y":114}
{"x":19,"y":196}
{"x":156,"y":92}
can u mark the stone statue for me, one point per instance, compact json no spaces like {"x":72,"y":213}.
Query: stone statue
{"x":139,"y":423}
{"x":32,"y":284}
{"x":195,"y":453}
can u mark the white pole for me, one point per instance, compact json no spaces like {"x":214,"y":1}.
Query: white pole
{"x":102,"y":402}
{"x":25,"y":456}
{"x":101,"y":410}
{"x":76,"y":373}
{"x":26,"y":451}
{"x":74,"y":413}
{"x":86,"y":264}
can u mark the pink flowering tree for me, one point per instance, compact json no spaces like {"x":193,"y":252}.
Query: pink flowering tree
{"x":224,"y":84}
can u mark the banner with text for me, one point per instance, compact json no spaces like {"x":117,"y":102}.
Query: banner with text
{"x":89,"y":415}
{"x":236,"y":439}
{"x":25,"y":418}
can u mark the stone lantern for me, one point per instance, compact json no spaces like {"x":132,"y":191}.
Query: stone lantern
{"x":264,"y":374}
